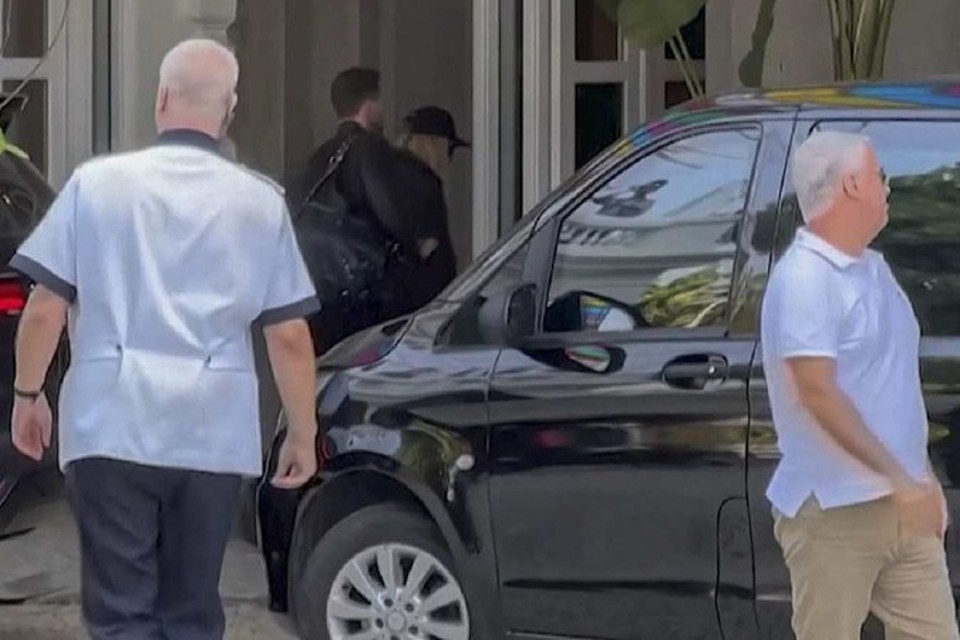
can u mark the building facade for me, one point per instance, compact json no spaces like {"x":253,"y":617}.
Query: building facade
{"x":539,"y":86}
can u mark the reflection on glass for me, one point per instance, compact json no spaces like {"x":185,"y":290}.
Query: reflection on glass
{"x":922,"y":240}
{"x":464,"y":329}
{"x":24,"y":28}
{"x":597,"y":36}
{"x":661,"y":236}
{"x":29,"y":127}
{"x":599,"y":119}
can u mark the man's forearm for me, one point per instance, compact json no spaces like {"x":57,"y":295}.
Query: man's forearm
{"x":294,"y":369}
{"x":38,"y":335}
{"x":837,"y":415}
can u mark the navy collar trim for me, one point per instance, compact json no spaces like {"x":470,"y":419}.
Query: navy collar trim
{"x":190,"y":137}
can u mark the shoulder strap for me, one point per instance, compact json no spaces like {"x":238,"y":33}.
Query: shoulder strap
{"x":335,"y":161}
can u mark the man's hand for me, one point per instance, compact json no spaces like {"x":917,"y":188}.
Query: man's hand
{"x":427,"y":247}
{"x":32,"y":426}
{"x":296,"y":464}
{"x":291,"y":354}
{"x":38,"y":334}
{"x":944,"y":510}
{"x":922,"y":510}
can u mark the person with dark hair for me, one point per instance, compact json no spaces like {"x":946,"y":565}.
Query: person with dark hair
{"x":347,"y":207}
{"x":356,"y":96}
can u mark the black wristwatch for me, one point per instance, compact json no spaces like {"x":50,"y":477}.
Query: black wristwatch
{"x":28,"y":395}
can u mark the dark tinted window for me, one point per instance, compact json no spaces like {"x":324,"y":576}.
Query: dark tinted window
{"x":922,"y":240}
{"x":658,"y":241}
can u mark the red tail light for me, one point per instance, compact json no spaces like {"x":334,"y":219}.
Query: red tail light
{"x":13,"y":296}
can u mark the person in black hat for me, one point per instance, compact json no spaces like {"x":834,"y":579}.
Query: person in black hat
{"x":429,"y":140}
{"x":431,"y":135}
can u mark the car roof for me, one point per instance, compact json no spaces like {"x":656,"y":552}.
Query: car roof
{"x":932,"y":94}
{"x":927,"y":99}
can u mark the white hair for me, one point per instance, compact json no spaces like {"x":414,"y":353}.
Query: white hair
{"x":202,"y":74}
{"x":819,"y":165}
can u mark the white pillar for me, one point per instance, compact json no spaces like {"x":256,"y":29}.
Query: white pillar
{"x":211,"y":18}
{"x":486,"y":122}
{"x":537,"y":110}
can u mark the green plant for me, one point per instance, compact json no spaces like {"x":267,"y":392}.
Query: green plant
{"x":651,"y":23}
{"x":860,"y":29}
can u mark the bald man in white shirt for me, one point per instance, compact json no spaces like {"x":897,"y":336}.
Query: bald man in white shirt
{"x":160,"y":262}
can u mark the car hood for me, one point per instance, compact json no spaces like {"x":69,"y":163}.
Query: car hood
{"x":367,"y":346}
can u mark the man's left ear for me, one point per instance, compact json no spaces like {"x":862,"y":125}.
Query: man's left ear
{"x":163,"y":99}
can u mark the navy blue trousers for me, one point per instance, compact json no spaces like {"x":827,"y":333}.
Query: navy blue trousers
{"x":152,"y":543}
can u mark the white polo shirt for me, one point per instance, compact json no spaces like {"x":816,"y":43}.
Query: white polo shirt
{"x":822,"y":302}
{"x":168,"y":256}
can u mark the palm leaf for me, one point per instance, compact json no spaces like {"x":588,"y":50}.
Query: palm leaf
{"x":650,"y":23}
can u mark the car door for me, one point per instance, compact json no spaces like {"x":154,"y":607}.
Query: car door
{"x":618,"y":431}
{"x":922,"y":245}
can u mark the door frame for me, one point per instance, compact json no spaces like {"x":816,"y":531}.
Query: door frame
{"x":486,"y":123}
{"x":567,"y":72}
{"x":68,"y":72}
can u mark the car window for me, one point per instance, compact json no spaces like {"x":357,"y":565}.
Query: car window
{"x":922,"y":239}
{"x":654,"y":247}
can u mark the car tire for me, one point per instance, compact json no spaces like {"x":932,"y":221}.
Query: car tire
{"x":346,"y":586}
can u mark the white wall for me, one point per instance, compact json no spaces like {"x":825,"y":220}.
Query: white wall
{"x":924,"y":44}
{"x":799,"y":50}
{"x":426,"y":56}
{"x":144,"y":30}
{"x":322,"y":38}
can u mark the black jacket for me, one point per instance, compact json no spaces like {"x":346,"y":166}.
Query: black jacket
{"x":423,"y":204}
{"x":367,"y":179}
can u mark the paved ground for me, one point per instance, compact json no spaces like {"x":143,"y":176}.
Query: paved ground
{"x":39,"y":575}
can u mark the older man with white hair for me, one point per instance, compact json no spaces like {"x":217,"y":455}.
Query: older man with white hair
{"x":163,"y":260}
{"x":858,"y":512}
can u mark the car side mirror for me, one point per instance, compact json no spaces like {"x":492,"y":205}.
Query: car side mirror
{"x":510,"y":316}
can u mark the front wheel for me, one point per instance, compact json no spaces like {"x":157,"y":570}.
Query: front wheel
{"x":381,"y":573}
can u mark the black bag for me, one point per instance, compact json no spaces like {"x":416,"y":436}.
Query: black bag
{"x":349,"y":257}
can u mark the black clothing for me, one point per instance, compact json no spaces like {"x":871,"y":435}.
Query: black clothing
{"x":360,"y":283}
{"x":366,"y":179}
{"x":425,"y":206}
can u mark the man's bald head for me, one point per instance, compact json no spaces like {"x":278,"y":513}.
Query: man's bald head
{"x":197,"y":90}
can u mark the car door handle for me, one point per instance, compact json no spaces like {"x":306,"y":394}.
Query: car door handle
{"x":695,"y":372}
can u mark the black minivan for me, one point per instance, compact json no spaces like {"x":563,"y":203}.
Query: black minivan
{"x":574,"y":439}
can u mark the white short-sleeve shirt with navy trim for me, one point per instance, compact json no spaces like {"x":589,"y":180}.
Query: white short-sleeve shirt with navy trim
{"x":169,"y":256}
{"x":821,"y":302}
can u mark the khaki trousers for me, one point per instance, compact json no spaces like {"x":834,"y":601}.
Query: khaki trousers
{"x":848,"y":561}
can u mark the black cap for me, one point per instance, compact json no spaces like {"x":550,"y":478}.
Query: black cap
{"x":434,"y":121}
